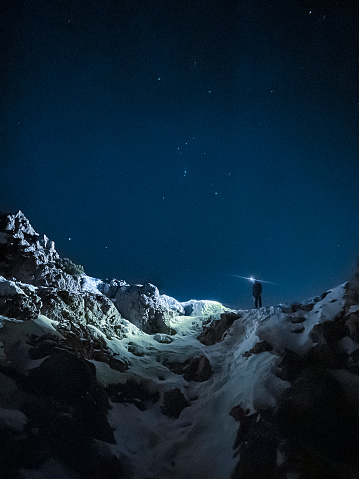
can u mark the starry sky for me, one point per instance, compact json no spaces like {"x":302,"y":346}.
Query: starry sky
{"x":184,"y":142}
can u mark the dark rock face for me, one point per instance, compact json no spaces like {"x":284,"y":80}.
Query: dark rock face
{"x":133,"y":392}
{"x":297,"y":319}
{"x":352,"y":323}
{"x":193,"y":369}
{"x":319,"y":425}
{"x":329,"y":332}
{"x":239,"y":414}
{"x":215,"y":331}
{"x":257,"y":444}
{"x":64,"y":412}
{"x":312,"y":432}
{"x":174,"y":401}
{"x":258,"y":348}
{"x":20,"y":303}
{"x":297,"y":307}
{"x":290,"y":365}
{"x":63,"y":375}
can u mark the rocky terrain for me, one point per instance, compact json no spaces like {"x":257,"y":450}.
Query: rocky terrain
{"x":103,"y":379}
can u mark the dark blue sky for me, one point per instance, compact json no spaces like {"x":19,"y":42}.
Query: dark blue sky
{"x":182,"y":142}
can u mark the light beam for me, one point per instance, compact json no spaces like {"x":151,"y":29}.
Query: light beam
{"x":252,"y":279}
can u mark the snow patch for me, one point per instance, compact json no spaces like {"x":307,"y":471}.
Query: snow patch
{"x":47,"y":324}
{"x":90,"y":284}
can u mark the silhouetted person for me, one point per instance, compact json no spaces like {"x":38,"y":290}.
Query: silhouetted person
{"x":257,"y":294}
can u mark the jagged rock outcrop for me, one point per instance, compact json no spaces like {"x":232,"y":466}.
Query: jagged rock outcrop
{"x":58,"y":409}
{"x":68,"y":308}
{"x":29,"y":258}
{"x":18,"y":300}
{"x":62,"y":293}
{"x":213,"y":333}
{"x":174,"y":402}
{"x":142,"y":305}
{"x":133,"y":392}
{"x":312,"y":431}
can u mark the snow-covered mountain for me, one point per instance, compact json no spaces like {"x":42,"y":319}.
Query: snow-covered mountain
{"x":103,"y":379}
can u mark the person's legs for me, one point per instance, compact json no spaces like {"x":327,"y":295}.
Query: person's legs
{"x":258,"y":302}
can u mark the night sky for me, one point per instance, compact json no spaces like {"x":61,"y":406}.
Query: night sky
{"x":181,"y":142}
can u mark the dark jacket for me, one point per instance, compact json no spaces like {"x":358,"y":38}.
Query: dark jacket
{"x":257,"y":289}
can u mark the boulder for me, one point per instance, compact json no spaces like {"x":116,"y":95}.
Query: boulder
{"x":314,"y":413}
{"x":352,"y":323}
{"x":290,"y":365}
{"x":213,"y":333}
{"x":193,"y":369}
{"x":258,"y":348}
{"x":174,"y":401}
{"x":142,"y":305}
{"x":329,"y":332}
{"x":64,"y":376}
{"x":297,"y":329}
{"x":18,"y":300}
{"x":296,"y":319}
{"x":133,"y":392}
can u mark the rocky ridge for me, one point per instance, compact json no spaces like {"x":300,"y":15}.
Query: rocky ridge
{"x":63,"y":291}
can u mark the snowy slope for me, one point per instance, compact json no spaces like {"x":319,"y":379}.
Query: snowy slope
{"x":200,"y":443}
